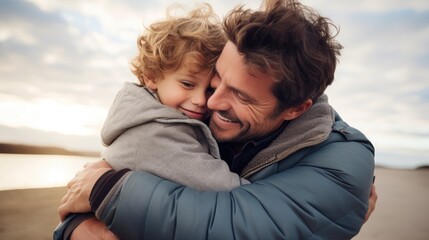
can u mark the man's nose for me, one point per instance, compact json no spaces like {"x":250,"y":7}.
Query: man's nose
{"x":218,"y":100}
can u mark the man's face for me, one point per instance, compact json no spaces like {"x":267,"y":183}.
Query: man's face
{"x":243,"y":104}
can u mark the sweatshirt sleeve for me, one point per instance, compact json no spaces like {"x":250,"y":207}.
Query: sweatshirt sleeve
{"x":174,"y":152}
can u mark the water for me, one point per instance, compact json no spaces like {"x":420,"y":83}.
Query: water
{"x":19,"y":171}
{"x":401,"y":161}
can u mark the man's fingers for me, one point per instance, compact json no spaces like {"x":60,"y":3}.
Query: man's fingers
{"x":98,"y":164}
{"x":62,"y":211}
{"x":70,"y":184}
{"x":373,"y":192}
{"x":371,"y":203}
{"x":65,"y":198}
{"x":76,"y":200}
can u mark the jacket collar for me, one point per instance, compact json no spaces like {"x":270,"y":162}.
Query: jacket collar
{"x":311,"y":128}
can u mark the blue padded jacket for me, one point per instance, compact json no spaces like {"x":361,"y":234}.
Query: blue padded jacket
{"x":312,"y":182}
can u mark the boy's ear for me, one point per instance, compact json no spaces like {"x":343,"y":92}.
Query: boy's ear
{"x":294,"y":112}
{"x":151,"y":84}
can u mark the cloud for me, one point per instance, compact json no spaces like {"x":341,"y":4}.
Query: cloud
{"x":351,"y":6}
{"x":45,"y":54}
{"x":76,"y":54}
{"x":382,"y":82}
{"x":69,"y":49}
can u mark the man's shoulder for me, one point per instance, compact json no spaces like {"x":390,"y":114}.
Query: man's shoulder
{"x":347,"y":133}
{"x":344,"y":144}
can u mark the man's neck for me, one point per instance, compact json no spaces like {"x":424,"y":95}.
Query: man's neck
{"x":237,"y":147}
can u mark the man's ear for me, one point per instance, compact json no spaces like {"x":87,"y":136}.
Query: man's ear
{"x":294,"y":112}
{"x":151,"y":84}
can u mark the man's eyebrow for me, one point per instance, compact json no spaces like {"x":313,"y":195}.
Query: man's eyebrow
{"x":249,"y":98}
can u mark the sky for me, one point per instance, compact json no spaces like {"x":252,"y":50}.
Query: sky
{"x":63,"y":61}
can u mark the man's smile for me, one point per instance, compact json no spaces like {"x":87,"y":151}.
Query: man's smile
{"x":223,"y":117}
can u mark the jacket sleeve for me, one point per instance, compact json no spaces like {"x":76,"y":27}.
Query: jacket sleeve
{"x":64,"y":229}
{"x":323,"y":196}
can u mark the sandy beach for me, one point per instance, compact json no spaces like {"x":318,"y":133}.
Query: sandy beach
{"x":29,"y":213}
{"x":402,"y":210}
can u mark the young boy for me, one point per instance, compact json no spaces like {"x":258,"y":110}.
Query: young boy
{"x":158,"y":126}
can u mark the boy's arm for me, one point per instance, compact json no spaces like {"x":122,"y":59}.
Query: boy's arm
{"x":175,"y":152}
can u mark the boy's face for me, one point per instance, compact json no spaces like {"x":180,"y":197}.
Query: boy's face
{"x":185,"y":91}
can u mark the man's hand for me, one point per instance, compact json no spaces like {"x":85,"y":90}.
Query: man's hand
{"x":79,"y":188}
{"x":371,"y":204}
{"x":92,"y":229}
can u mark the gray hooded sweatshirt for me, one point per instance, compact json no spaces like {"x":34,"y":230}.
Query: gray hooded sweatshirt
{"x":140,"y":133}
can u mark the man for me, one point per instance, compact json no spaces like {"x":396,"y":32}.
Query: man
{"x":311,"y":173}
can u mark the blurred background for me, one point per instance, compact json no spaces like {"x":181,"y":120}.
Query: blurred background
{"x":62,"y":62}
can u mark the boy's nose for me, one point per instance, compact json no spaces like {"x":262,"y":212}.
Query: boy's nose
{"x":199,"y":99}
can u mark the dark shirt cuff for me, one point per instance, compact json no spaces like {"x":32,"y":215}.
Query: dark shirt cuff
{"x":74,"y":222}
{"x":103,"y":186}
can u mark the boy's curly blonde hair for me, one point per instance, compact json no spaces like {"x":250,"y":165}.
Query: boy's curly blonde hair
{"x":198,"y":37}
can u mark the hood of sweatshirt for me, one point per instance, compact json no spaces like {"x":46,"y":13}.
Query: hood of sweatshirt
{"x":135,"y":105}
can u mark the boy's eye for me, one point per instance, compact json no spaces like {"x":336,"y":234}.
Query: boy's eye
{"x":187,"y":84}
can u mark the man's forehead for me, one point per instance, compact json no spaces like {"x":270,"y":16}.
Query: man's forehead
{"x":230,"y":52}
{"x":237,"y":76}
